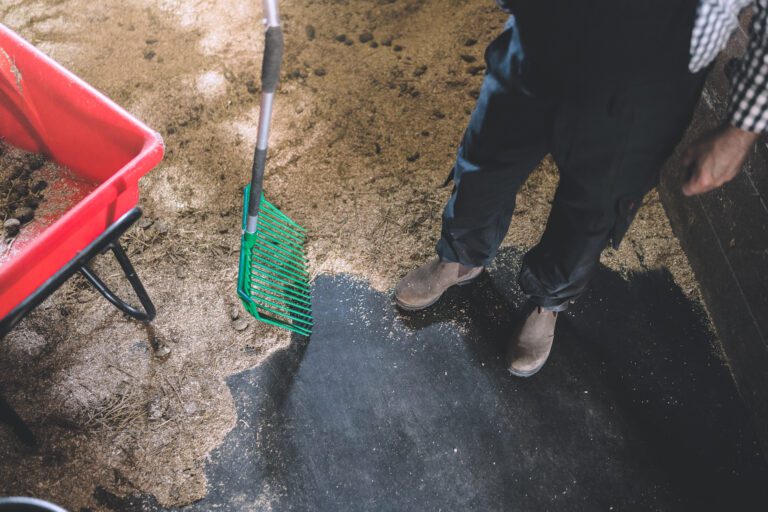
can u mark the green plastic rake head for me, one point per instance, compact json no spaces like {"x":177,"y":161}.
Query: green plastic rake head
{"x":273,"y":282}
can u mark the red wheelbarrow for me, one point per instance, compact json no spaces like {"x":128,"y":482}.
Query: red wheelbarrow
{"x":46,"y":109}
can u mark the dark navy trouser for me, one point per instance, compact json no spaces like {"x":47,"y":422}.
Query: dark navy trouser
{"x":609,"y":145}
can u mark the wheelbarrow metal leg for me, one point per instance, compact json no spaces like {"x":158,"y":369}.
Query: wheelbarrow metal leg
{"x":149,"y":312}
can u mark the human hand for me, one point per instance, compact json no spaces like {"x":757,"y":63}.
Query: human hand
{"x":716,"y":158}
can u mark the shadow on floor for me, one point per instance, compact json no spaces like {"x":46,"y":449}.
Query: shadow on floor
{"x":386,"y":411}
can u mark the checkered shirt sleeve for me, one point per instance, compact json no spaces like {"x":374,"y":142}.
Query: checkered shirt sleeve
{"x":748,"y":102}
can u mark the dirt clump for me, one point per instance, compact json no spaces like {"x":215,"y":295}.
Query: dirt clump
{"x":21,"y":188}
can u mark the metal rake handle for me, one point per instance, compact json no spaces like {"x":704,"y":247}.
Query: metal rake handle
{"x":270,"y":74}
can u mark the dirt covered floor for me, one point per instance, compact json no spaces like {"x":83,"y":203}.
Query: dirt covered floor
{"x":374,"y":98}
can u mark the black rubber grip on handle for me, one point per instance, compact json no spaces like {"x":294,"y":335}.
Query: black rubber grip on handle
{"x":273,"y":55}
{"x":257,"y":179}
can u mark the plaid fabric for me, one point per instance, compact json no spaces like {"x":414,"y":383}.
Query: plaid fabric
{"x":715,"y":22}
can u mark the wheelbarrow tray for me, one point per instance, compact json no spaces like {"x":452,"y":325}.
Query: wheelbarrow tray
{"x":104,"y":149}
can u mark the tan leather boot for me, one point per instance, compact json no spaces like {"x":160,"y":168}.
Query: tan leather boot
{"x":421,"y":287}
{"x":529,"y":348}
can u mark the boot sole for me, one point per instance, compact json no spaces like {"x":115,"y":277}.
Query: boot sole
{"x":525,"y":375}
{"x":409,"y":307}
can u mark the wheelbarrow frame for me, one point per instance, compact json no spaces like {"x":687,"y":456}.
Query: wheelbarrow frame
{"x":108,"y":240}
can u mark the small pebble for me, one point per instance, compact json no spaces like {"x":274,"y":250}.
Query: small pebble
{"x":21,"y":189}
{"x":149,"y":54}
{"x":420,"y":71}
{"x":475,"y":70}
{"x":413,"y":157}
{"x":155,"y":409}
{"x":341,"y":38}
{"x":467,"y":58}
{"x":374,"y":44}
{"x":310,"y":31}
{"x":39,"y":185}
{"x":240,"y":324}
{"x":470,"y":42}
{"x":25,"y":214}
{"x":162,"y":352}
{"x":438,"y":115}
{"x":474,"y":94}
{"x":234,"y":312}
{"x":348,"y":42}
{"x":161,"y":227}
{"x":365,"y":37}
{"x":397,"y":48}
{"x":35,"y":162}
{"x":18,"y":171}
{"x":387,"y":42}
{"x":320,"y":71}
{"x":12,"y":226}
{"x":251,"y":87}
{"x":138,"y":346}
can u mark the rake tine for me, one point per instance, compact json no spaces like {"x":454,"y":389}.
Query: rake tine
{"x":293,"y":255}
{"x":282,"y":264}
{"x":287,"y":273}
{"x":293,"y":300}
{"x":284,"y":280}
{"x":268,"y":230}
{"x":273,"y":209}
{"x":281,"y":220}
{"x":300,"y":328}
{"x":299,"y":294}
{"x":291,"y":315}
{"x":286,"y":311}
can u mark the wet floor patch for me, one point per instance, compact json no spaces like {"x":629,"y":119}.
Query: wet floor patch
{"x":386,"y":411}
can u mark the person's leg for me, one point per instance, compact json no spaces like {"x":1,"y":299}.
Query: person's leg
{"x":610,"y":150}
{"x":508,"y":135}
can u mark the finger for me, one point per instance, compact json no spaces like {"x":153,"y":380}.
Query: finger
{"x":692,"y":184}
{"x":691,"y":174}
{"x":699,"y":183}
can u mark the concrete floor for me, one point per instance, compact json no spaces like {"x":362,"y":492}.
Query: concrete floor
{"x":386,"y":411}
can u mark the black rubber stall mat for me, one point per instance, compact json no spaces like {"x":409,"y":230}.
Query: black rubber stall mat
{"x":386,"y":411}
